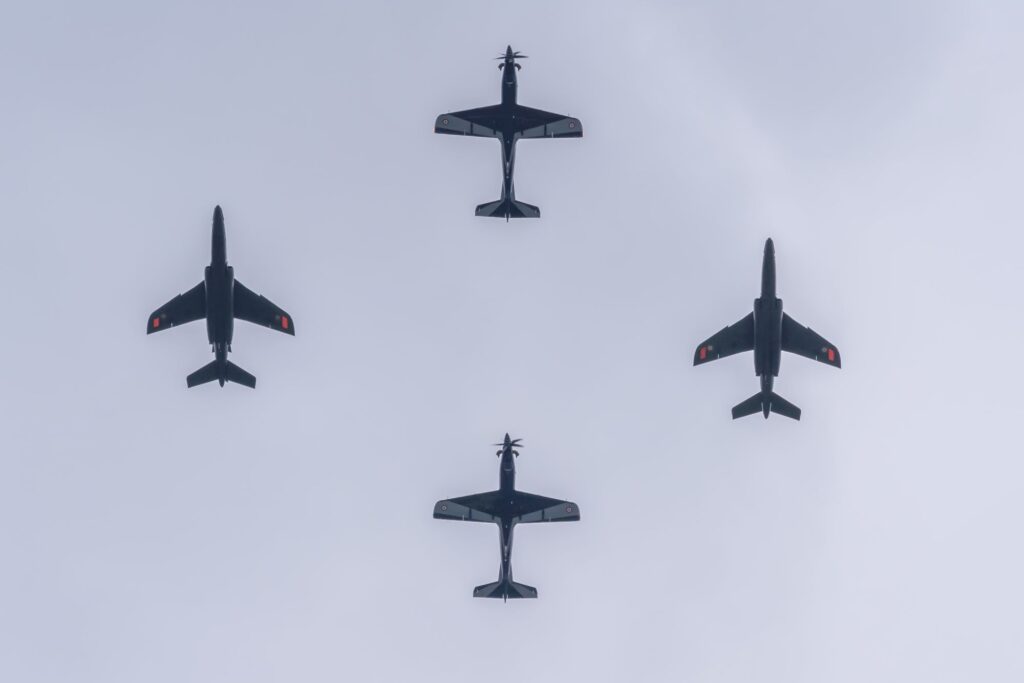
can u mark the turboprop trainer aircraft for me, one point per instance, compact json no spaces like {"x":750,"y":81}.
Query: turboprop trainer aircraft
{"x":220,"y":298}
{"x":509,"y":122}
{"x":767,"y":331}
{"x":506,"y":507}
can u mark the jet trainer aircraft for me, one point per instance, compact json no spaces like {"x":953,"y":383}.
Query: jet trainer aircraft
{"x":767,"y":332}
{"x":509,"y":122}
{"x":220,"y":298}
{"x":506,"y":507}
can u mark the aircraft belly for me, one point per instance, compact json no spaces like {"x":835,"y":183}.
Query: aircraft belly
{"x":219,"y":306}
{"x":767,"y":337}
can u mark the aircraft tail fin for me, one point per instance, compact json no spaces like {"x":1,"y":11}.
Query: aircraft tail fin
{"x":508,"y":208}
{"x":221,"y":371}
{"x":749,"y":407}
{"x":783,"y":407}
{"x":235,"y":374}
{"x":765,"y":403}
{"x":207,"y":373}
{"x":505,"y":589}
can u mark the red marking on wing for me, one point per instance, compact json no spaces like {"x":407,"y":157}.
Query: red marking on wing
{"x":831,"y":355}
{"x":703,"y":352}
{"x":284,"y":322}
{"x":156,"y":323}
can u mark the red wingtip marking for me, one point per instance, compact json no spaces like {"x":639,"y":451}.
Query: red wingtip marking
{"x":703,"y":352}
{"x":156,"y":323}
{"x":831,"y":355}
{"x":284,"y":322}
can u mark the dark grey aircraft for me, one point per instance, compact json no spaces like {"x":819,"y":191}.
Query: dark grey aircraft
{"x":767,"y":332}
{"x":506,"y":507}
{"x":509,"y":122}
{"x":220,"y":298}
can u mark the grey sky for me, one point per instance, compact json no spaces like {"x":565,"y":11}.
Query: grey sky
{"x":149,"y":533}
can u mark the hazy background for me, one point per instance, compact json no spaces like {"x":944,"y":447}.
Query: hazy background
{"x":150,"y":533}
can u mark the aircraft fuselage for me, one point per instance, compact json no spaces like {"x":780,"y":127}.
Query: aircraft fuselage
{"x":509,"y":88}
{"x":767,"y":323}
{"x":507,"y":485}
{"x":220,"y":281}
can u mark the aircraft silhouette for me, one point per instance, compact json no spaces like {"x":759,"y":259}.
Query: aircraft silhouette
{"x":220,"y":298}
{"x":509,"y":122}
{"x":767,"y":331}
{"x":506,"y":507}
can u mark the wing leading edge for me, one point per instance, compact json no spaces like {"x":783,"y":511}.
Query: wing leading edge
{"x":489,"y":122}
{"x":736,"y":338}
{"x":536,"y":123}
{"x":526,"y":508}
{"x":260,"y":310}
{"x":184,"y":308}
{"x":482,"y":122}
{"x":806,"y":342}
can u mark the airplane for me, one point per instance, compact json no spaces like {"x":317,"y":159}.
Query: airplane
{"x":220,"y":298}
{"x":767,"y":331}
{"x":509,"y":122}
{"x":506,"y":507}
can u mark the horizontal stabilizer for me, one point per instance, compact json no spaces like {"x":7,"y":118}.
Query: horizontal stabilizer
{"x":749,"y":407}
{"x":207,"y":373}
{"x":783,"y":407}
{"x":505,"y":590}
{"x":235,"y":374}
{"x":508,"y":208}
{"x":221,"y":371}
{"x":766,"y":403}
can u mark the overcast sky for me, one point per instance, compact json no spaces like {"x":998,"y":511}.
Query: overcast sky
{"x":150,"y":533}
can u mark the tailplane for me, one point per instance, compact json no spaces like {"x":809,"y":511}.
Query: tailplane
{"x":505,"y":589}
{"x":221,"y":371}
{"x":508,"y":208}
{"x":765,"y":403}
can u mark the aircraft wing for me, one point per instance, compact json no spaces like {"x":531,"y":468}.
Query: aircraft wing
{"x":260,"y":310}
{"x":483,"y":122}
{"x":535,"y":123}
{"x":182,"y":309}
{"x":480,"y":507}
{"x":533,"y":508}
{"x":733,"y":339}
{"x":806,"y":342}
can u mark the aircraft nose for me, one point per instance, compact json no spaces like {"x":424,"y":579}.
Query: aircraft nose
{"x":218,"y":214}
{"x":769,"y":245}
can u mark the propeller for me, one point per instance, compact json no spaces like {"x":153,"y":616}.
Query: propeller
{"x":514,"y":443}
{"x":514,"y":56}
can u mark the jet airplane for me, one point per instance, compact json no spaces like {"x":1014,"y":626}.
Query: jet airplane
{"x":220,"y":298}
{"x":509,"y":122}
{"x":767,"y":331}
{"x":506,"y":507}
